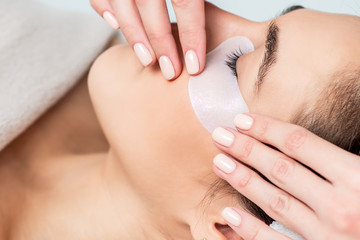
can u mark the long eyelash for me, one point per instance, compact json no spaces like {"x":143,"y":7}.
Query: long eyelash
{"x":232,"y":60}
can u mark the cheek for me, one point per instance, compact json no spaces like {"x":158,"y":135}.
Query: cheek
{"x":151,"y":112}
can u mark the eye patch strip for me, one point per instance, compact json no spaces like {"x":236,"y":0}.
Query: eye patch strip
{"x":215,"y":94}
{"x":216,"y":98}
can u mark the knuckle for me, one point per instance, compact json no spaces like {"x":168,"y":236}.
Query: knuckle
{"x":140,"y":2}
{"x":180,"y":3}
{"x":280,"y":204}
{"x":282,"y":169}
{"x":157,"y":38}
{"x":244,"y":179}
{"x":244,"y":147}
{"x":190,"y":35}
{"x":130,"y":32}
{"x":296,"y":139}
{"x":260,"y":129}
{"x":254,"y":235}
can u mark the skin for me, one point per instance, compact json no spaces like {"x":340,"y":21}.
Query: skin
{"x":67,"y":184}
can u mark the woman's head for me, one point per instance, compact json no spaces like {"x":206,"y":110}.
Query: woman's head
{"x":294,"y":75}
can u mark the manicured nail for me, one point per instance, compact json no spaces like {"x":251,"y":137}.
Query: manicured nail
{"x":224,"y":163}
{"x":111,"y":20}
{"x":192,"y":62}
{"x":223,"y":137}
{"x":166,"y":67}
{"x":243,"y":122}
{"x":231,"y":216}
{"x":143,"y":54}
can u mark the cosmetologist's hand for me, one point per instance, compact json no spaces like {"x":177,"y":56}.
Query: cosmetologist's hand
{"x":147,"y":28}
{"x":299,"y":199}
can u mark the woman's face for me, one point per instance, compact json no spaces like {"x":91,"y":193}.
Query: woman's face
{"x":150,"y":124}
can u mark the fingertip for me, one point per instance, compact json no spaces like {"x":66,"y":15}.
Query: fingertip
{"x":195,"y":59}
{"x":232,"y":216}
{"x":144,"y":54}
{"x":111,"y":20}
{"x":192,"y":62}
{"x":177,"y":68}
{"x":170,"y":68}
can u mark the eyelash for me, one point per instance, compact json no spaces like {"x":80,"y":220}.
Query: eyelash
{"x":232,"y":60}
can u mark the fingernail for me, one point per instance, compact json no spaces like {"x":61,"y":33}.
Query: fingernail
{"x":167,"y":67}
{"x":223,"y":137}
{"x":224,"y":163}
{"x":243,"y":122}
{"x":231,"y":216}
{"x":111,"y":20}
{"x":192,"y":62}
{"x":143,"y":54}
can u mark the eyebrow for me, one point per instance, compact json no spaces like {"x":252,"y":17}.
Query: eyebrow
{"x":291,"y":9}
{"x":270,"y":57}
{"x":271,"y":47}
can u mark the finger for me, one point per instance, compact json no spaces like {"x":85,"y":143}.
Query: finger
{"x":249,"y":227}
{"x":323,"y":157}
{"x":275,"y":202}
{"x":284,"y":172}
{"x":100,"y":6}
{"x":158,"y":28}
{"x":105,"y":10}
{"x":132,"y":27}
{"x":190,"y":17}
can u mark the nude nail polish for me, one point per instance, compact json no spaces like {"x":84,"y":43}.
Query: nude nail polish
{"x":166,"y":67}
{"x":243,"y":122}
{"x":192,"y":62}
{"x":143,"y":54}
{"x":231,"y":216}
{"x":224,"y":163}
{"x":223,"y":137}
{"x":111,"y":20}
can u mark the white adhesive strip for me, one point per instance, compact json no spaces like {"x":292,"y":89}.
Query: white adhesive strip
{"x":215,"y":94}
{"x":286,"y":231}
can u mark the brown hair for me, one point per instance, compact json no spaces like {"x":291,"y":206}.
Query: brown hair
{"x":336,"y":115}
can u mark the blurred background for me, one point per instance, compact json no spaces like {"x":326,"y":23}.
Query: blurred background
{"x":256,"y":10}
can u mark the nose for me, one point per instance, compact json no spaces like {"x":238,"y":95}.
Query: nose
{"x":222,"y":25}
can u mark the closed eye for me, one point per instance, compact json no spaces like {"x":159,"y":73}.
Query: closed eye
{"x":232,"y":59}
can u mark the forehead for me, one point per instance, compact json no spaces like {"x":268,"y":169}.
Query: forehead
{"x":320,"y":44}
{"x":313,"y":46}
{"x":323,"y":34}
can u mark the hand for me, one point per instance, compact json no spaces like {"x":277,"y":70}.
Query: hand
{"x":316,"y":207}
{"x":147,"y":28}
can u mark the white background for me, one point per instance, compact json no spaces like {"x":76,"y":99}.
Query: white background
{"x":257,"y":10}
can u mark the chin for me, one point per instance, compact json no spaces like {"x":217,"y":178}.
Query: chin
{"x":147,"y":119}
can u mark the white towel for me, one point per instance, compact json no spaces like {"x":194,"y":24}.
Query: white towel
{"x":286,"y":231}
{"x":43,"y":52}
